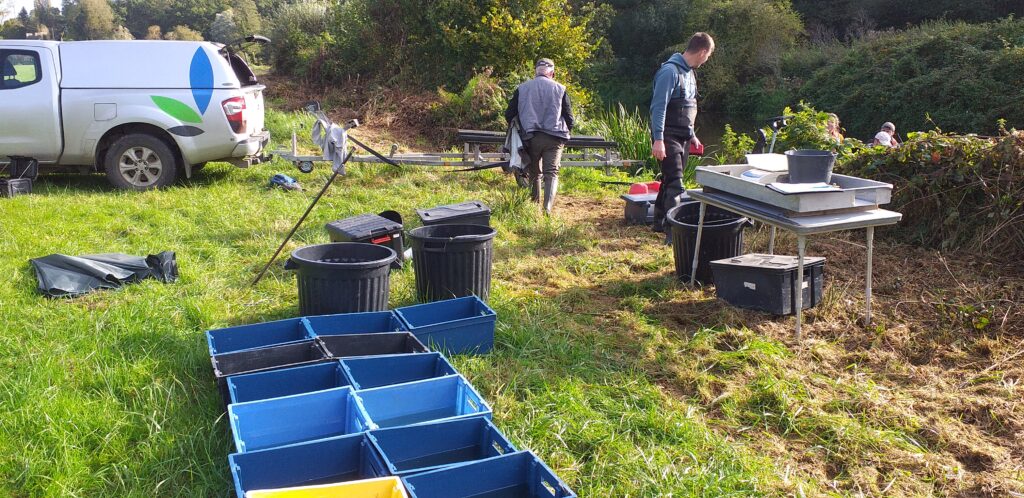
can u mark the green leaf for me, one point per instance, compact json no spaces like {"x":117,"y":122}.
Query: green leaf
{"x":177,"y":109}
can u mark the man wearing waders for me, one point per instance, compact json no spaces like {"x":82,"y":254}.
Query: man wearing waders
{"x":545,"y":120}
{"x":673,"y":111}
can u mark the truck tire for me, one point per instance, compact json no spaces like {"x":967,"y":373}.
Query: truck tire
{"x":140,"y":162}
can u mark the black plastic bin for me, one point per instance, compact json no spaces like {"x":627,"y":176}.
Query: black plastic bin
{"x":370,"y":229}
{"x":766,"y":282}
{"x":15,"y":186}
{"x":270,"y":358}
{"x":342,"y":277}
{"x":23,"y":167}
{"x":722,"y":238}
{"x":463,"y":213}
{"x":380,"y":343}
{"x":452,"y":261}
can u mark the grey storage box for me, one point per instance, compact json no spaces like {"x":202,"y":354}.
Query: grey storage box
{"x":767,"y":282}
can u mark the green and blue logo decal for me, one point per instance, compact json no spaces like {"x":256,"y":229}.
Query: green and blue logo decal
{"x":200,"y":77}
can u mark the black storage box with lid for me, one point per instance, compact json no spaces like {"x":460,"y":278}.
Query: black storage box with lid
{"x":766,"y":282}
{"x":370,"y":229}
{"x":463,"y":213}
{"x":15,"y":186}
{"x":639,"y":208}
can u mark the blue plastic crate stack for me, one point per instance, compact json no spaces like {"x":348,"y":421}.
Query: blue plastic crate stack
{"x":329,"y":406}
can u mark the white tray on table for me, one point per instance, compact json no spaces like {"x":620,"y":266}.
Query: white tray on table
{"x":853,"y":193}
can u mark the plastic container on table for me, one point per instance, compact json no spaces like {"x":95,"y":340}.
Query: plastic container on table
{"x":462,"y":325}
{"x":268,"y":423}
{"x":519,"y":475}
{"x":377,"y":371}
{"x":767,"y":282}
{"x":419,"y":448}
{"x":442,"y":398}
{"x":326,"y":461}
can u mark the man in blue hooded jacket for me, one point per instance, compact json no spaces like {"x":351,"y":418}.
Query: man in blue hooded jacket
{"x":673,"y":112}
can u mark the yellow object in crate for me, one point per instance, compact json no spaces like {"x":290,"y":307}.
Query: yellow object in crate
{"x":383,"y":487}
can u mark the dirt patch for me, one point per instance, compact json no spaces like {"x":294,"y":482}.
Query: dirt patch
{"x":935,"y":383}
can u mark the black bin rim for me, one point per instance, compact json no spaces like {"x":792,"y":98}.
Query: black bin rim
{"x":372,"y":256}
{"x":729,"y":218}
{"x":453,"y":233}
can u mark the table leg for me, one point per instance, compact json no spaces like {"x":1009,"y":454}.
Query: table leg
{"x":867,"y":287}
{"x":801,"y":243}
{"x":771,"y":241}
{"x":696,"y":244}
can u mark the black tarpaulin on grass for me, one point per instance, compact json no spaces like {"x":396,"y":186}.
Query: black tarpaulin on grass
{"x":60,"y":275}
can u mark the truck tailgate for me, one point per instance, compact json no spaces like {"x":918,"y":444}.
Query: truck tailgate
{"x":254,"y":114}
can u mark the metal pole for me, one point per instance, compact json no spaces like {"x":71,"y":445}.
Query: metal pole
{"x":801,"y":243}
{"x":867,"y":287}
{"x":771,"y":241}
{"x":696,"y":245}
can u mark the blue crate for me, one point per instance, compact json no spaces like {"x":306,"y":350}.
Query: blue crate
{"x":286,"y":382}
{"x":327,"y":461}
{"x":519,"y":475}
{"x":419,"y":448}
{"x":268,"y":423}
{"x":258,"y":335}
{"x":443,"y":398}
{"x":376,"y":371}
{"x":355,"y":323}
{"x":462,"y":325}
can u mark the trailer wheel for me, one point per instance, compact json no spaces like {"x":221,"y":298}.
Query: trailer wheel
{"x":140,"y":162}
{"x":305,"y":166}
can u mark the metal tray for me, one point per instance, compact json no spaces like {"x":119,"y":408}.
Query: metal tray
{"x":854,"y":192}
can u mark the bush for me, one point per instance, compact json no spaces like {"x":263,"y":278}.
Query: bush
{"x":631,"y":131}
{"x":300,"y":40}
{"x":955,"y":191}
{"x":480,"y":105}
{"x":956,"y":76}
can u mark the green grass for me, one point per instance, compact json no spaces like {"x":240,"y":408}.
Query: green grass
{"x":626,"y":383}
{"x":112,"y":394}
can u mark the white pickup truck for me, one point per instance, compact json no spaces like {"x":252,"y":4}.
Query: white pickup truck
{"x":143,"y":112}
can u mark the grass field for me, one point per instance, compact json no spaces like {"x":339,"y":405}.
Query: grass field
{"x":625,"y":382}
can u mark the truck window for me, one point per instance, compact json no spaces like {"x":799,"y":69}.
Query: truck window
{"x":19,"y":68}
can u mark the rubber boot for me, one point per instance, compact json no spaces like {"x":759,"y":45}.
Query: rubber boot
{"x":550,"y":189}
{"x":535,"y":188}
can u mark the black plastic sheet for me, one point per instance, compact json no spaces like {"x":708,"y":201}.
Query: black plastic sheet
{"x":60,"y":275}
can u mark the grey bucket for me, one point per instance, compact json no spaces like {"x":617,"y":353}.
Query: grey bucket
{"x":452,"y":261}
{"x":810,"y":166}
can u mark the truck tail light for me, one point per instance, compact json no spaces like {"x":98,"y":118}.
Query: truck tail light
{"x":234,"y":109}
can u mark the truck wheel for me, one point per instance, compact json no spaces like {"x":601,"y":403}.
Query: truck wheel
{"x":140,"y":162}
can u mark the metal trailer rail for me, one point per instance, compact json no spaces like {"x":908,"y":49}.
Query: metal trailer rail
{"x":608,"y":158}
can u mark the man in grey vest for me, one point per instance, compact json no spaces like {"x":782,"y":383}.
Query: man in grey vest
{"x":545,"y":119}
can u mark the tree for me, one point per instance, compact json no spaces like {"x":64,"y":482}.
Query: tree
{"x":224,"y":29}
{"x":153,"y":33}
{"x":97,"y":19}
{"x":183,"y":33}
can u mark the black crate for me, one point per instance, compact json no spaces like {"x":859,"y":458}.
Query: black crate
{"x":639,"y":208}
{"x":15,"y":186}
{"x":765,"y":282}
{"x":262,"y":359}
{"x":379,"y":343}
{"x":463,"y":213}
{"x":23,"y":167}
{"x":370,"y":229}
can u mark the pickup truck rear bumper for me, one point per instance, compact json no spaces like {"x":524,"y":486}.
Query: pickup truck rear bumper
{"x":252,"y":145}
